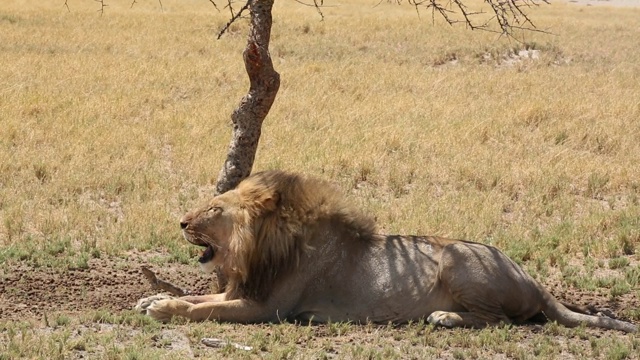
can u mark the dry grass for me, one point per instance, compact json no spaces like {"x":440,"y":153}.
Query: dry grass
{"x":113,"y":126}
{"x":131,"y":336}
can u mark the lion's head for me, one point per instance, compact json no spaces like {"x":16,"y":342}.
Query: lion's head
{"x":261,"y":229}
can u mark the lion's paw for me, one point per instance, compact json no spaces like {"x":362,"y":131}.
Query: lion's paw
{"x":143,"y":304}
{"x":161,"y":310}
{"x":163,"y":307}
{"x":164,"y":310}
{"x":444,"y":318}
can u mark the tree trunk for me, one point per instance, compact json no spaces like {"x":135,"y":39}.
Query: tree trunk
{"x":248,"y":116}
{"x":253,"y":109}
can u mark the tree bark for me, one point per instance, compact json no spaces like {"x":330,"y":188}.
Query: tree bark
{"x":247,"y":118}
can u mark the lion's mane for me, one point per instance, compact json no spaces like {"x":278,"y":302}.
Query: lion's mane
{"x":281,"y":213}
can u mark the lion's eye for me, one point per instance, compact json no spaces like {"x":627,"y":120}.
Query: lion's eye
{"x":214,"y":209}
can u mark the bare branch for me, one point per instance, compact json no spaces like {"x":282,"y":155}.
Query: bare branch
{"x":214,"y":5}
{"x":135,"y":2}
{"x":317,"y":5}
{"x":509,"y":15}
{"x":233,"y":18}
{"x":230,"y":6}
{"x":102,"y":6}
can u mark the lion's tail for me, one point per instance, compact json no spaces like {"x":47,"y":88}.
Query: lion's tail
{"x":556,"y":311}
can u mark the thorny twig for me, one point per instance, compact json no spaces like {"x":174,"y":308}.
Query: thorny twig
{"x":214,"y":5}
{"x":508,"y":14}
{"x":230,"y":6}
{"x":234,"y":17}
{"x":102,"y":6}
{"x":316,"y":4}
{"x":135,"y":2}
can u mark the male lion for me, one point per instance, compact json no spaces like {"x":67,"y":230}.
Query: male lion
{"x":292,"y":248}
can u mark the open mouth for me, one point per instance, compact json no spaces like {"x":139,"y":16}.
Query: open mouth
{"x":207,"y":255}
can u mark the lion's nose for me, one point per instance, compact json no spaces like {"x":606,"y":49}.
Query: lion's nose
{"x":183,"y":224}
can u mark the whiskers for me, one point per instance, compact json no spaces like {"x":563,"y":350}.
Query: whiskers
{"x":210,"y":241}
{"x":201,"y":239}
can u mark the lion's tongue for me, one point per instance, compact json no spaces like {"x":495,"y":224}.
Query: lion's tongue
{"x":207,"y":255}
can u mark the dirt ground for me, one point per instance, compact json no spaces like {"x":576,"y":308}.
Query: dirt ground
{"x":112,"y":284}
{"x":30,"y":294}
{"x":116,"y":284}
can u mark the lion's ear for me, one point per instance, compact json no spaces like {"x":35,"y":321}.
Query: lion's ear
{"x":270,"y":203}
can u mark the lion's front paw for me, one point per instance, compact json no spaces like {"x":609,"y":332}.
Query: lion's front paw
{"x":143,"y":304}
{"x":163,"y":309}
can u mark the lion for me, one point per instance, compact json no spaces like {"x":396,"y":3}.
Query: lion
{"x":292,"y":248}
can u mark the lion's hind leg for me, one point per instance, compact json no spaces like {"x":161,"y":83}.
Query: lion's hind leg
{"x":474,"y":276}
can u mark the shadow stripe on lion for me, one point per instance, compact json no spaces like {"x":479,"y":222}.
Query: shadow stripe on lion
{"x":291,"y":247}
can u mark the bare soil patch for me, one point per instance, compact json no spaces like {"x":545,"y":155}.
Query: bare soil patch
{"x":116,"y":284}
{"x":113,"y":284}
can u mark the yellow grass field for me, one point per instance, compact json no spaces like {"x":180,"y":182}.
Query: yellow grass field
{"x":113,"y":125}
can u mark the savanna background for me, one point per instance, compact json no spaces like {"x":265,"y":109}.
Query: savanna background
{"x":112,"y":126}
